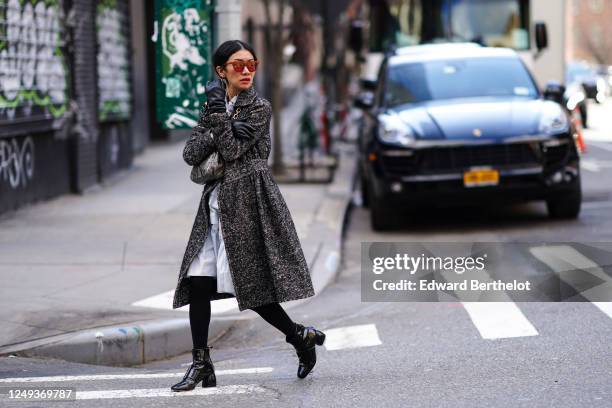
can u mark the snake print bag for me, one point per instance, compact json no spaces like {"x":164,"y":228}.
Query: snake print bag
{"x":210,"y":169}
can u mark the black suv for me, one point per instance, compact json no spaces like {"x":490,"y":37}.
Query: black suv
{"x":461,"y":123}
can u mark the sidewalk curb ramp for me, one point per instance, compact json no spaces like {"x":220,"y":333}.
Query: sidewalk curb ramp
{"x":145,"y":341}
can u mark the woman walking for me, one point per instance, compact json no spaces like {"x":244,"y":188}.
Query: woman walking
{"x":243,"y":243}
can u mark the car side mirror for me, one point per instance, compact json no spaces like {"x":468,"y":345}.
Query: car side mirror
{"x":554,"y":91}
{"x":364,"y":100}
{"x":541,"y":36}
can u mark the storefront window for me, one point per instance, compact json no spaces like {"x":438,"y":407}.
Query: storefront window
{"x":498,"y":23}
{"x":495,"y":23}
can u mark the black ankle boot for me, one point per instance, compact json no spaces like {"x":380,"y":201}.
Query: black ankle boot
{"x":304,"y":340}
{"x":201,"y":369}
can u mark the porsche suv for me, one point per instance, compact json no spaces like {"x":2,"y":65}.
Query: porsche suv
{"x":460,"y":123}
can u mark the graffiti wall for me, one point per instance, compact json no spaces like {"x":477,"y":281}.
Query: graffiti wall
{"x":65,"y":95}
{"x":114,"y":94}
{"x":183,"y":51}
{"x":34,"y":77}
{"x":32,"y":167}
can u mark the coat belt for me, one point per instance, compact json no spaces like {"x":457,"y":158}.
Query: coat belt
{"x":244,"y":169}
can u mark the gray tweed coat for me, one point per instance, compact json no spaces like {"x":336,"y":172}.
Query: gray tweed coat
{"x":263,"y":250}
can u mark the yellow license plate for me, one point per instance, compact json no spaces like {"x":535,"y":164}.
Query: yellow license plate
{"x":480,"y":178}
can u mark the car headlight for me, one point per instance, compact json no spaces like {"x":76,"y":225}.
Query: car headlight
{"x":553,"y":119}
{"x":392,"y":130}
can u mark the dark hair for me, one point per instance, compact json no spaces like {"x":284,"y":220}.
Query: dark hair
{"x":227,"y":49}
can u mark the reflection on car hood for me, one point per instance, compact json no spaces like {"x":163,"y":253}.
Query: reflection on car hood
{"x":491,"y":118}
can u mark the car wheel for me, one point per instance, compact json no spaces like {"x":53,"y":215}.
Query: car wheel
{"x":380,"y":217}
{"x":566,"y":206}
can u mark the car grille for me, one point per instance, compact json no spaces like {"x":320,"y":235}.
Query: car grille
{"x":459,"y":158}
{"x":556,"y":155}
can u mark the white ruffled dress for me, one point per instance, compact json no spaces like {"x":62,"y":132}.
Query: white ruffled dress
{"x":212,"y":259}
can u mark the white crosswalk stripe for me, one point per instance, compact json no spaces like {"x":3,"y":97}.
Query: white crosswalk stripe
{"x":595,"y":165}
{"x":493,"y":320}
{"x":496,"y":320}
{"x":147,"y":392}
{"x":340,"y":338}
{"x":564,"y":258}
{"x":590,"y":165}
{"x":164,"y":301}
{"x":603,"y":146}
{"x":499,"y":320}
{"x":597,"y":205}
{"x":165,"y":392}
{"x":99,"y":377}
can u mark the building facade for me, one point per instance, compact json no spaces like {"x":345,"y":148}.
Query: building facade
{"x":67,"y":100}
{"x":591,"y":31}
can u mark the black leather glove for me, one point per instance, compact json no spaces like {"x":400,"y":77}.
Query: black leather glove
{"x":243,"y":130}
{"x":215,"y":96}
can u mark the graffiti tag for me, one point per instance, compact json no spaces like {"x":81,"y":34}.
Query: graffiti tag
{"x":184,"y":58}
{"x":32,"y":65}
{"x":113,"y":62}
{"x":16,"y":163}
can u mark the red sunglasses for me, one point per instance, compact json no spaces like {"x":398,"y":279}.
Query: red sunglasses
{"x":239,"y":65}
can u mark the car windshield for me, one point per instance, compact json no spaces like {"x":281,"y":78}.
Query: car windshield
{"x":465,"y":78}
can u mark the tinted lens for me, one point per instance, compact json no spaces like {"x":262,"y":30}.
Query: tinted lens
{"x":239,"y":65}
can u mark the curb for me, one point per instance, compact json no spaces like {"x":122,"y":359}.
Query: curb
{"x":331,"y":220}
{"x":142,"y":342}
{"x":128,"y":345}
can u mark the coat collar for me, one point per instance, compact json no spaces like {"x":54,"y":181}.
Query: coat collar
{"x":246,"y":97}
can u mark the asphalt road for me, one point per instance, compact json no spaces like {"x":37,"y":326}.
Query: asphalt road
{"x":400,"y":354}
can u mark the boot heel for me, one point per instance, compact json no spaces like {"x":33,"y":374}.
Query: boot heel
{"x":320,"y":337}
{"x":209,"y":381}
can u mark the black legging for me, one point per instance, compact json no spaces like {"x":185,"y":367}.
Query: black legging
{"x":202,"y":287}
